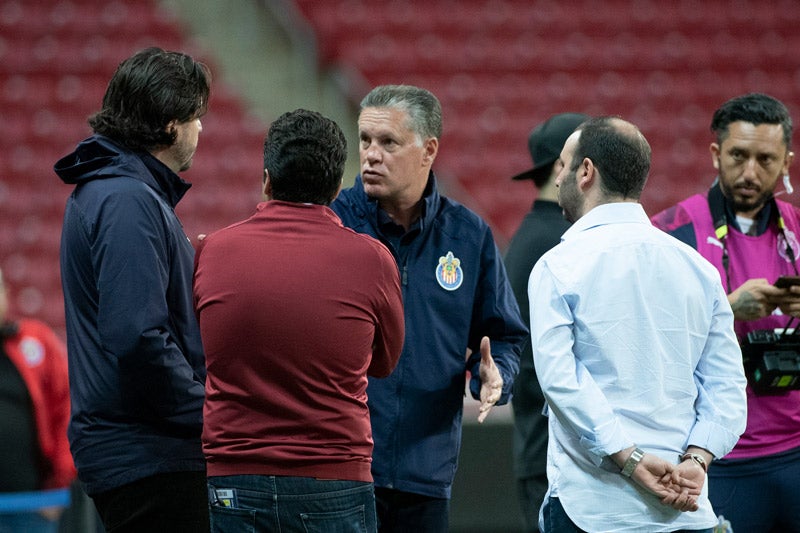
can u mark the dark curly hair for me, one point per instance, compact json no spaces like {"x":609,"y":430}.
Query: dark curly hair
{"x":304,"y":154}
{"x":148,"y":91}
{"x":755,"y":108}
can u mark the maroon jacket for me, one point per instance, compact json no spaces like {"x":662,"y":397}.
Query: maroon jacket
{"x":295,"y":311}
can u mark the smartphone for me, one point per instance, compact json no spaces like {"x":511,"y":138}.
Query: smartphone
{"x":784,"y":282}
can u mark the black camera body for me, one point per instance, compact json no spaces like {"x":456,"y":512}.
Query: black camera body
{"x":772,"y":360}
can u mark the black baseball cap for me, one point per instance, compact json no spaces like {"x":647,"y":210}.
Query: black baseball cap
{"x":547,"y":139}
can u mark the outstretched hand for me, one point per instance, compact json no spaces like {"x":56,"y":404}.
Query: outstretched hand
{"x":491,"y":381}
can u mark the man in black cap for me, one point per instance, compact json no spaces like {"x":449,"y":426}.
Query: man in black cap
{"x":541,"y":229}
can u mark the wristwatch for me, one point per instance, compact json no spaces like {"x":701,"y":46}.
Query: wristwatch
{"x":632,"y":462}
{"x":697,"y":458}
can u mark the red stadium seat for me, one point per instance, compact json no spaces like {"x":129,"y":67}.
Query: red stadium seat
{"x":666,"y":66}
{"x":56,"y":57}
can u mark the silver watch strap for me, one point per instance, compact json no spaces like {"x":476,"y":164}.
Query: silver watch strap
{"x":632,"y":462}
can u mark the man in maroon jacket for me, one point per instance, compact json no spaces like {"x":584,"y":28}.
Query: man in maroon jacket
{"x":295,"y":311}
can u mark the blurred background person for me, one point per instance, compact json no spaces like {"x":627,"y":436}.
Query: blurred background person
{"x":540,"y":230}
{"x":137,"y":372}
{"x":289,"y":346}
{"x":36,"y":467}
{"x":751,"y":237}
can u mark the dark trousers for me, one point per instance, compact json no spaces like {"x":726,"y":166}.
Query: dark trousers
{"x":759,"y":494}
{"x":175,"y":502}
{"x":531,"y":492}
{"x":401,"y":512}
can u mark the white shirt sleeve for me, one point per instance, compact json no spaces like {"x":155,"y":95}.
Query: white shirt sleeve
{"x":572,"y":395}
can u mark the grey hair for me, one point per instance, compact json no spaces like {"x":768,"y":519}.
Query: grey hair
{"x":423,"y":108}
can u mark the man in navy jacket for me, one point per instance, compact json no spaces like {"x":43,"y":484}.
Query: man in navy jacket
{"x":457,"y":301}
{"x":136,"y":365}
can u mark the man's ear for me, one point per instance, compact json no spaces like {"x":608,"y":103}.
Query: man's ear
{"x":788,"y":162}
{"x":338,"y":190}
{"x":714,"y":149}
{"x":171,"y":126}
{"x":266,"y":191}
{"x":431,"y":147}
{"x":586,"y":174}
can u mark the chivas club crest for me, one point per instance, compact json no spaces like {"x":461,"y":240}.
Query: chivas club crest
{"x":449,"y":273}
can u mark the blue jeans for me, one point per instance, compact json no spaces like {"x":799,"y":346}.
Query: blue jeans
{"x":557,"y":521}
{"x":252,"y":503}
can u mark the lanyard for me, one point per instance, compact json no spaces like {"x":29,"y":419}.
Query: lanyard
{"x":716,"y":203}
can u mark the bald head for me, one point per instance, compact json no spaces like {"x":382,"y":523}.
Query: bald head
{"x":618,"y":151}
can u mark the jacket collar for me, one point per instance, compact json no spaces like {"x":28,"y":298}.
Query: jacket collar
{"x":100,"y":157}
{"x":430,"y":195}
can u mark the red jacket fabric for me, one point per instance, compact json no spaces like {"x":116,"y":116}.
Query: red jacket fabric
{"x":295,"y":310}
{"x":41,"y":359}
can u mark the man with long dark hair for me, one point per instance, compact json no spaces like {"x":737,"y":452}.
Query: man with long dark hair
{"x":136,"y":363}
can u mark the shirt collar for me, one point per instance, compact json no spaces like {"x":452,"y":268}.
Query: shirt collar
{"x":612,"y":213}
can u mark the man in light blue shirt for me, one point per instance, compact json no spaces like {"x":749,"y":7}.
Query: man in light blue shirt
{"x":634,"y":348}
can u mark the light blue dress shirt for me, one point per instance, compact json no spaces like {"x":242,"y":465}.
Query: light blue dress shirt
{"x":633,"y":343}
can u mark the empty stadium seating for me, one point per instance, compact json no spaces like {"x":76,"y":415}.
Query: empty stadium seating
{"x":501,"y":66}
{"x":56,"y":57}
{"x":498,"y":66}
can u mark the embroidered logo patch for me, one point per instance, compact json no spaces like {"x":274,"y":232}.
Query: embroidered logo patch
{"x":449,"y":273}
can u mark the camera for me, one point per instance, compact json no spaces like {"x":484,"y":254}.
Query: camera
{"x":772,"y":360}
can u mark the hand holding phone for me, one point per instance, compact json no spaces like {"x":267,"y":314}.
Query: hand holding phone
{"x":784,"y":282}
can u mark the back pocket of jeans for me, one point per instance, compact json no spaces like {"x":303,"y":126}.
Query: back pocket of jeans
{"x":232,"y":520}
{"x":345,"y":521}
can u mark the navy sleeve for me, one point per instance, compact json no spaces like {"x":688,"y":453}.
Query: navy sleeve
{"x":496,"y":315}
{"x":132,"y":258}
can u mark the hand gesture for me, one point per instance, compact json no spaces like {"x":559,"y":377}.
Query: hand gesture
{"x":491,"y":381}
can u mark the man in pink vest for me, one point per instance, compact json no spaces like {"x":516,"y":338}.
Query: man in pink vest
{"x":751,"y":237}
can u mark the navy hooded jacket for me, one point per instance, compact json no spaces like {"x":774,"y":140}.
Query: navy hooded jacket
{"x":136,"y":366}
{"x":455,"y":291}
